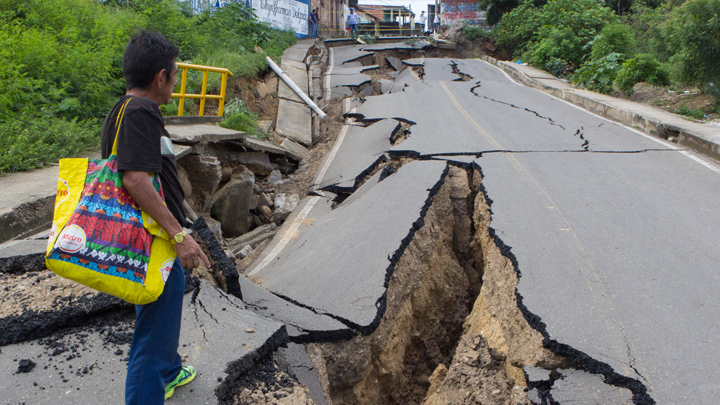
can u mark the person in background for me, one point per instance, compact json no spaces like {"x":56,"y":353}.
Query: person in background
{"x":436,"y":22}
{"x":412,"y":25}
{"x":314,"y":22}
{"x":155,"y":368}
{"x":422,"y":19}
{"x":352,"y":21}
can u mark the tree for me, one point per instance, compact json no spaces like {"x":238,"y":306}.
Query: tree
{"x":692,"y":34}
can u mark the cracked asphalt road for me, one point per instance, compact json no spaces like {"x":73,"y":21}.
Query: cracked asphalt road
{"x":615,"y":234}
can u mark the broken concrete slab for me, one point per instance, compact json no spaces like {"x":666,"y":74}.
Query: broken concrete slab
{"x":354,"y":280}
{"x":294,"y":147}
{"x":181,"y":150}
{"x":257,"y":162}
{"x":581,"y":386}
{"x":298,"y":74}
{"x":294,"y":122}
{"x":361,"y":151}
{"x":303,"y":324}
{"x":297,"y":52}
{"x":265,"y":146}
{"x":345,"y":54}
{"x":395,"y":63}
{"x":202,"y":133}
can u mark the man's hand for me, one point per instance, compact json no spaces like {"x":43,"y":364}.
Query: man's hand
{"x":190,"y":254}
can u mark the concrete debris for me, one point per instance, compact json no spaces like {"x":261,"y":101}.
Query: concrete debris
{"x":204,"y":173}
{"x":231,"y":204}
{"x":257,"y":162}
{"x":274,"y":176}
{"x":253,"y":238}
{"x":284,"y":205}
{"x":245,"y":252}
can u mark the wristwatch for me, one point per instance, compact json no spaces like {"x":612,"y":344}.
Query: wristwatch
{"x":178,"y":238}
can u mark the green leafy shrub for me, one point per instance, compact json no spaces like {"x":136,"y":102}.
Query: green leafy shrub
{"x":28,"y":142}
{"x":599,"y":75}
{"x":643,"y":68}
{"x":689,"y":112}
{"x":238,"y":117}
{"x":555,"y":44}
{"x":614,"y":38}
{"x":691,"y":33}
{"x":561,"y":29}
{"x":473,"y":34}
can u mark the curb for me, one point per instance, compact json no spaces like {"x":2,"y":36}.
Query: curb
{"x":692,"y":135}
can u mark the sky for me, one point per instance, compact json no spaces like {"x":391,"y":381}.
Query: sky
{"x":415,"y":5}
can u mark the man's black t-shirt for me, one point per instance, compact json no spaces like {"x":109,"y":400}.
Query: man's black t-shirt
{"x":140,"y":147}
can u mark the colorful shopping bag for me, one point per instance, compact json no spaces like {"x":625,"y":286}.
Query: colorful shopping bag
{"x":101,"y":238}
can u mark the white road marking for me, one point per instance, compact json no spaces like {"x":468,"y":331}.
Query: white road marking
{"x":287,"y":236}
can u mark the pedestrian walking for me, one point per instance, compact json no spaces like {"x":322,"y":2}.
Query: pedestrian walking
{"x":155,"y":369}
{"x":314,"y":23}
{"x":352,"y":21}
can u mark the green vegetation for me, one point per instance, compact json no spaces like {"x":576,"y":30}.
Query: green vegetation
{"x":473,"y":34}
{"x":689,"y":112}
{"x":238,"y":117}
{"x":609,"y":44}
{"x":61,"y":65}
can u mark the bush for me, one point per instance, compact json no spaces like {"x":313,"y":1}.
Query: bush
{"x":689,"y":112}
{"x":473,"y":34}
{"x":614,"y":38}
{"x":561,"y":29}
{"x":29,"y":142}
{"x":555,"y":44}
{"x":237,"y":117}
{"x":599,"y":75}
{"x":643,"y":68}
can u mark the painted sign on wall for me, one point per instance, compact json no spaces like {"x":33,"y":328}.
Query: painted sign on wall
{"x":469,"y":12}
{"x":284,"y":14}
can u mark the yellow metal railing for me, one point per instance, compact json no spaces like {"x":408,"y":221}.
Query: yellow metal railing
{"x":203,"y":92}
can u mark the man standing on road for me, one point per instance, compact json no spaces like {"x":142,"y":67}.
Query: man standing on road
{"x":154,"y":367}
{"x":422,"y":19}
{"x":412,"y":25}
{"x":436,"y":22}
{"x":352,"y":21}
{"x":314,"y":23}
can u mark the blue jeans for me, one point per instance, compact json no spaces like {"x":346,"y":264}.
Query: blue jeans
{"x":353,"y":30}
{"x":314,"y":33}
{"x":154,"y":360}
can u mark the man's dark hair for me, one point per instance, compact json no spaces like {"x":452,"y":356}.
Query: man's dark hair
{"x":146,"y":54}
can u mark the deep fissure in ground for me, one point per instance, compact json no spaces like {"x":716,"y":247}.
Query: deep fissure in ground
{"x":438,"y":334}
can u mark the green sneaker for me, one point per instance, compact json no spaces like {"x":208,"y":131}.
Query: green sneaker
{"x":187,"y":374}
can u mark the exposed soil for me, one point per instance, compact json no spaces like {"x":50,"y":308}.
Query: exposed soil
{"x":672,"y":99}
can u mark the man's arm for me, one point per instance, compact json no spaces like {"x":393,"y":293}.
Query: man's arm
{"x":140,"y":187}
